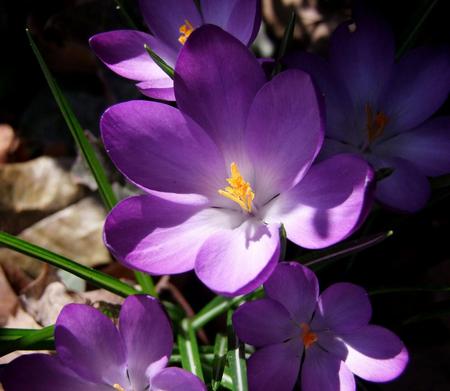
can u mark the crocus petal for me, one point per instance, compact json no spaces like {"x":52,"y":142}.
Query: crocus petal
{"x":338,"y":102}
{"x":419,"y":86}
{"x":362,"y":56}
{"x":88,"y":342}
{"x":147,"y":335}
{"x":176,"y":379}
{"x":342,"y":307}
{"x":241,"y":18}
{"x":275,"y":367}
{"x":164,"y":18}
{"x":332,"y":147}
{"x":427,"y":146}
{"x":236,"y":261}
{"x":158,"y":148}
{"x":327,"y":205}
{"x":158,"y":89}
{"x":322,"y":371}
{"x":406,"y":190}
{"x":263,"y":322}
{"x":41,"y":372}
{"x":375,"y":354}
{"x":161,"y":236}
{"x":123,"y":52}
{"x":296,"y":288}
{"x":216,"y":79}
{"x":284,"y":133}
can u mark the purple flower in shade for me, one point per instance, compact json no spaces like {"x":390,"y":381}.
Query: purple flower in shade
{"x":226,"y":169}
{"x":93,"y":355}
{"x":171,"y":22}
{"x":380,"y":109}
{"x":326,"y":337}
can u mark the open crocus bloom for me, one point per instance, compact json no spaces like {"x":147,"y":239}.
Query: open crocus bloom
{"x":380,"y":109}
{"x":171,"y":22}
{"x":93,"y":355}
{"x":226,"y":169}
{"x":327,"y":338}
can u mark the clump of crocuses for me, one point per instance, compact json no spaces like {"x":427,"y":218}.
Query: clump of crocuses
{"x":226,"y":169}
{"x":325,"y":338}
{"x":171,"y":23}
{"x":93,"y":355}
{"x":380,"y":109}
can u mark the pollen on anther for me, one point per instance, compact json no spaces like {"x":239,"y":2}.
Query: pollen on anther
{"x":185,"y":30}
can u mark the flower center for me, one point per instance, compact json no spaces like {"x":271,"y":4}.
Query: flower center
{"x":375,"y":123}
{"x":185,"y":30}
{"x":118,"y":387}
{"x":239,"y":190}
{"x":307,"y":336}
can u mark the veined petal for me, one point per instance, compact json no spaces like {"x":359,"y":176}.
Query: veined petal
{"x":362,"y":56}
{"x":419,"y":86}
{"x":147,"y":336}
{"x":88,"y":343}
{"x":241,"y":18}
{"x":158,"y":148}
{"x":164,"y":18}
{"x":338,"y":104}
{"x":427,"y":146}
{"x":264,"y":322}
{"x":158,"y":89}
{"x":236,"y":261}
{"x":123,"y":52}
{"x":176,"y":379}
{"x":322,"y":371}
{"x":161,"y":236}
{"x":284,"y":133}
{"x":329,"y":203}
{"x":216,"y":80}
{"x":42,"y":372}
{"x":375,"y":354}
{"x":275,"y":367}
{"x":406,"y":190}
{"x":342,"y":307}
{"x":296,"y":288}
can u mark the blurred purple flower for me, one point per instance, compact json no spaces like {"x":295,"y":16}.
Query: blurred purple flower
{"x":380,"y":109}
{"x":93,"y":355}
{"x":226,"y":169}
{"x":171,"y":22}
{"x":331,"y":331}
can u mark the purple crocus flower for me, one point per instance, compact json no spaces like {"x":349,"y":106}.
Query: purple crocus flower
{"x":226,"y":169}
{"x":327,"y":338}
{"x":171,"y":23}
{"x":380,"y":109}
{"x":93,"y":355}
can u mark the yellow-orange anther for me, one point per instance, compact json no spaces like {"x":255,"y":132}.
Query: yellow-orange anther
{"x":118,"y":387}
{"x":239,"y":190}
{"x":185,"y":29}
{"x":375,"y":124}
{"x":307,"y":336}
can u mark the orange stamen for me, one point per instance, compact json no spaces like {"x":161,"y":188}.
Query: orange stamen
{"x":307,"y":336}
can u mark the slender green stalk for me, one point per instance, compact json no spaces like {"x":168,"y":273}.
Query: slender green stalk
{"x":419,"y":19}
{"x":93,"y":276}
{"x":314,"y":258}
{"x":160,"y":62}
{"x":126,"y":16}
{"x":99,"y":174}
{"x":220,"y":305}
{"x":409,"y":289}
{"x":219,"y":360}
{"x":146,"y":283}
{"x":236,"y":358}
{"x":287,"y":38}
{"x":187,"y":344}
{"x":28,"y":340}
